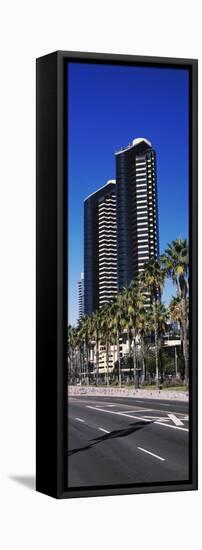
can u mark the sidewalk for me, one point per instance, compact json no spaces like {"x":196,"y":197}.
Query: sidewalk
{"x":124,"y":392}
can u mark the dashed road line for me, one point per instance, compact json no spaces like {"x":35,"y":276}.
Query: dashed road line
{"x":95,"y":427}
{"x":152,"y":454}
{"x":103,"y":430}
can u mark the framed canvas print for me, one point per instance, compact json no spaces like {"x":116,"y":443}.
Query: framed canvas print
{"x":116,"y":274}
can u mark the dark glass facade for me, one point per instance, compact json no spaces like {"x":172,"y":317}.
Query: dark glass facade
{"x":121,"y":229}
{"x":137,"y":209}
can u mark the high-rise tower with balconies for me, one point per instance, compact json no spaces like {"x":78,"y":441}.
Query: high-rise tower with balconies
{"x":80,"y":296}
{"x":121,"y":225}
{"x":100,"y":247}
{"x":137,"y":209}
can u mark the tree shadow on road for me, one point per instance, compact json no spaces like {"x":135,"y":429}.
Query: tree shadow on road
{"x":132,"y":428}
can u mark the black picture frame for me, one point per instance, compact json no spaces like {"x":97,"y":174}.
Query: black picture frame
{"x":51,"y":272}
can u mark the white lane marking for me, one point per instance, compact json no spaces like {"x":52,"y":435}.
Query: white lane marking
{"x":98,"y":403}
{"x":108,"y":404}
{"x":137,"y":418}
{"x":96,"y":427}
{"x":159,"y":418}
{"x":105,"y":405}
{"x":152,"y":454}
{"x":135,"y":410}
{"x":115,"y":412}
{"x":176,"y":420}
{"x":162,"y":419}
{"x":171,"y":426}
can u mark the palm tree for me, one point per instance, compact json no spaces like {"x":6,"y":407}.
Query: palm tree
{"x":105,"y":331}
{"x":81,"y":350}
{"x":175,"y":309}
{"x":96,"y":327}
{"x":176,"y":262}
{"x":144,"y":326}
{"x":152,"y":279}
{"x":135,"y":300}
{"x":84,"y":330}
{"x":69,"y":349}
{"x":79,"y":354}
{"x":127,"y":321}
{"x":116,"y":311}
{"x":113,"y":340}
{"x":162,"y":317}
{"x":81,"y":346}
{"x":72,"y":343}
{"x":176,"y":314}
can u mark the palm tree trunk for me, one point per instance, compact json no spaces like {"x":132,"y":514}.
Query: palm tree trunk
{"x":181,"y":346}
{"x":185,"y":341}
{"x":181,"y":336}
{"x":129,"y":350}
{"x":80,"y":367}
{"x":134,"y":357}
{"x":143,"y":361}
{"x":118,"y":354}
{"x":86,"y":360}
{"x":76,"y":366}
{"x":156,"y":340}
{"x":72,"y":365}
{"x":97,"y":360}
{"x":84,"y":363}
{"x":107,"y":360}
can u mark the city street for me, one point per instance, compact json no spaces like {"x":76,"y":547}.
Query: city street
{"x":126,"y":440}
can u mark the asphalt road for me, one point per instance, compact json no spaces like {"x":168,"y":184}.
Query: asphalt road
{"x":126,"y":440}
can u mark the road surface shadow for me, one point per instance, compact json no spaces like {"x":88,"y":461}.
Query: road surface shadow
{"x":132,"y":428}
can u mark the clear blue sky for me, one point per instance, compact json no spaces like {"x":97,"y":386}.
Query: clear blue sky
{"x":109,"y":106}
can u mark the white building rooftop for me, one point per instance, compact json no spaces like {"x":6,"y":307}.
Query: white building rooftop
{"x":135,"y":142}
{"x":99,"y":189}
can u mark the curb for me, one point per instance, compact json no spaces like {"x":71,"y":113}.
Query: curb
{"x":146,"y":394}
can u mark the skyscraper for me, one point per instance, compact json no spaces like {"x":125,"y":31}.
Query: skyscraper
{"x":80,"y":295}
{"x":137,"y":209}
{"x":121,"y":225}
{"x":100,"y":247}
